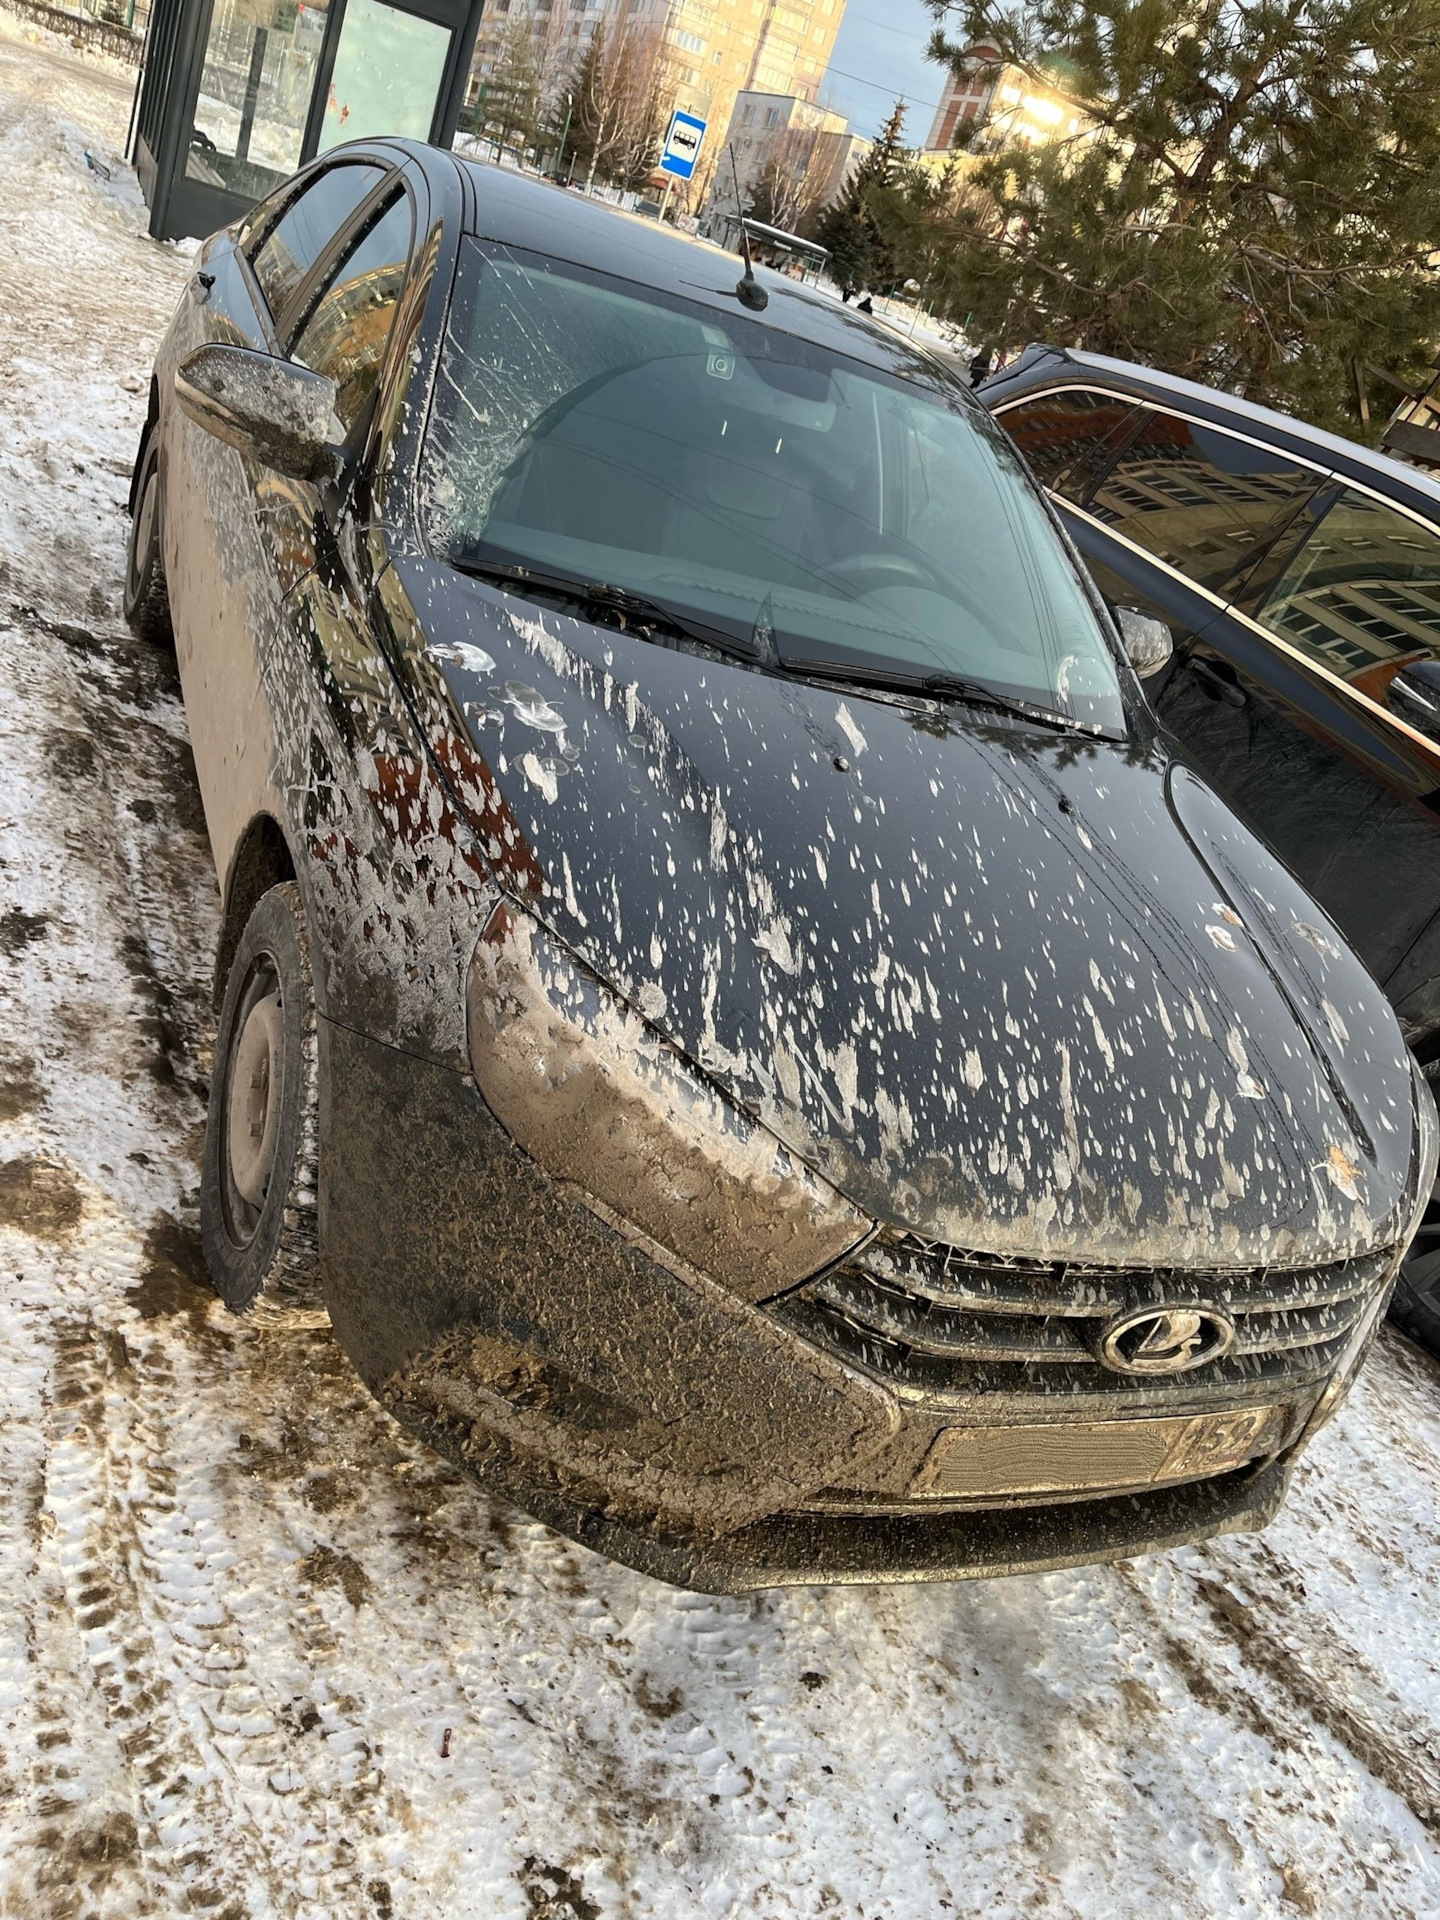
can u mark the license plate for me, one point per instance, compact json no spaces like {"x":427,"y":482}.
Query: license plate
{"x":1081,"y":1456}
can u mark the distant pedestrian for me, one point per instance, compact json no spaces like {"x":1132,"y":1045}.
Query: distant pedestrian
{"x":866,"y":305}
{"x":847,"y":294}
{"x":981,"y":365}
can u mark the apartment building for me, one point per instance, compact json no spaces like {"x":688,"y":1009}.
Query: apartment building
{"x":716,"y":49}
{"x":559,"y":30}
{"x":723,"y":48}
{"x":792,"y":158}
{"x":1013,"y":107}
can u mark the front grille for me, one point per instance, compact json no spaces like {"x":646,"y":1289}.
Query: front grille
{"x":942,"y":1325}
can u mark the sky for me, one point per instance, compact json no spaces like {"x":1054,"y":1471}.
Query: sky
{"x":880,"y":54}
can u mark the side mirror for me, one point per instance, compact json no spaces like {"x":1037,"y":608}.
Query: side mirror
{"x":1149,"y":643}
{"x":273,"y":411}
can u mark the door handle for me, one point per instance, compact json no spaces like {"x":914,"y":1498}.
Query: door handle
{"x":1217,"y":684}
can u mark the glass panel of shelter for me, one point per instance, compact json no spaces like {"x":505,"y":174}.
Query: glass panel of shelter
{"x":261,"y":59}
{"x":387,"y":74}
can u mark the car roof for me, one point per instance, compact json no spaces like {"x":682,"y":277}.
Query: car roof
{"x":538,"y":216}
{"x":1041,"y":366}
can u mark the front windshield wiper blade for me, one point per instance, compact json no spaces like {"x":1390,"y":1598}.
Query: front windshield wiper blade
{"x":942,"y":686}
{"x":619,"y":602}
{"x":976,"y":693}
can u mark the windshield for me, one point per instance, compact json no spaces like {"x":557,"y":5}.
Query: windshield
{"x":813,"y":509}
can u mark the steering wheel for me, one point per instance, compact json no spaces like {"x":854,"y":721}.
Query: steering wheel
{"x":879,"y":570}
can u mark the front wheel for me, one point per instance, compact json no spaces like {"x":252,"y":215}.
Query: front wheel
{"x":258,"y":1186}
{"x":145,"y":600}
{"x":1415,"y":1306}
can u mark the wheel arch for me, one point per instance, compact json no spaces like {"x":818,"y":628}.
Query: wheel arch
{"x":261,"y":860}
{"x":152,"y":420}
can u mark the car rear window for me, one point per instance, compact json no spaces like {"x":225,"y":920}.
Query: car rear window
{"x":755,"y":479}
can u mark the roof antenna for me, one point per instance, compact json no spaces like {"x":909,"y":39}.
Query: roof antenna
{"x":748,"y":291}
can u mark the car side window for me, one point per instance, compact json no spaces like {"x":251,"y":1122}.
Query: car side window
{"x":1204,"y":501}
{"x":300,"y":235}
{"x":261,"y":216}
{"x":1362,"y":597}
{"x":347,"y":330}
{"x":1068,"y":437}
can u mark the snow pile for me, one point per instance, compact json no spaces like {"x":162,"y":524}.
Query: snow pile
{"x":261,"y":1655}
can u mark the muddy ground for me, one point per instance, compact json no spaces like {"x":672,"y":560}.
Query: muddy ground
{"x":240,"y":1610}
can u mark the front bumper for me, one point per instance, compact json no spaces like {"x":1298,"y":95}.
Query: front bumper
{"x":648,"y":1413}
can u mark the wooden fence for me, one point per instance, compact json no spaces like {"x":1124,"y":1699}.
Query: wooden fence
{"x":106,"y":34}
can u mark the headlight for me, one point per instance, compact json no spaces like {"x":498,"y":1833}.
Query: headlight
{"x":597,"y":1097}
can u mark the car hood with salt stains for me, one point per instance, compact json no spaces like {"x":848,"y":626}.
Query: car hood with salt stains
{"x":1021,"y":992}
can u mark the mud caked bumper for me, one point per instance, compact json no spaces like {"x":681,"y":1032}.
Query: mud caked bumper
{"x":649,"y":1413}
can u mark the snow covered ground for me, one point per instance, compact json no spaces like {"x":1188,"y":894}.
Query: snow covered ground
{"x":239,"y":1609}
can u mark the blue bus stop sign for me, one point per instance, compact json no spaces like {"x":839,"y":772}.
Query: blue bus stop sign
{"x":682,"y":145}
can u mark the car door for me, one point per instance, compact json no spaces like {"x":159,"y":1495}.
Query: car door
{"x":225,"y":591}
{"x":381,"y":838}
{"x":1335,"y":644}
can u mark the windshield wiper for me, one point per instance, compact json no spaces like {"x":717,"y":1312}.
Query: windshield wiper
{"x":630,"y":611}
{"x":944,"y":686}
{"x":634,"y":612}
{"x":976,"y":694}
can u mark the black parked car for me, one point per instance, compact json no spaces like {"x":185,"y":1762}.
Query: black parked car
{"x":773,"y":1063}
{"x":1299,"y":575}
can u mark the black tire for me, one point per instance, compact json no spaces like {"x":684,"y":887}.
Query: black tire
{"x":145,"y":600}
{"x":257,"y":1192}
{"x":1415,"y":1307}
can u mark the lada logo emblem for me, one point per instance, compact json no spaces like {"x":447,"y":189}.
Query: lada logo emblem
{"x":1165,"y":1340}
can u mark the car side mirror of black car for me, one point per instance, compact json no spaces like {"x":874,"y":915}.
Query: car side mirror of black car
{"x":1414,"y":696}
{"x":273,"y":411}
{"x":1149,"y":643}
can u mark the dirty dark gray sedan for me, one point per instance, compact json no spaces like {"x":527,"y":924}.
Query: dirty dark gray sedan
{"x":722,"y":991}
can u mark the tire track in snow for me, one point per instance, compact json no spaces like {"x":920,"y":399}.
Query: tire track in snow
{"x":113,"y":1582}
{"x":126,"y":869}
{"x":232,"y":1819}
{"x":1286,"y":1696}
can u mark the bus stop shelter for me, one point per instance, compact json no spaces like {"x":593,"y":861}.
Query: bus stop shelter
{"x":773,"y":247}
{"x":235,"y":95}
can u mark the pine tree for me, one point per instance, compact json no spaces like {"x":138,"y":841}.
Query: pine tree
{"x":1254,"y":200}
{"x":860,"y":252}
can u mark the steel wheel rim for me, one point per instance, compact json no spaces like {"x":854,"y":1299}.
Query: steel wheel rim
{"x":244,"y":1198}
